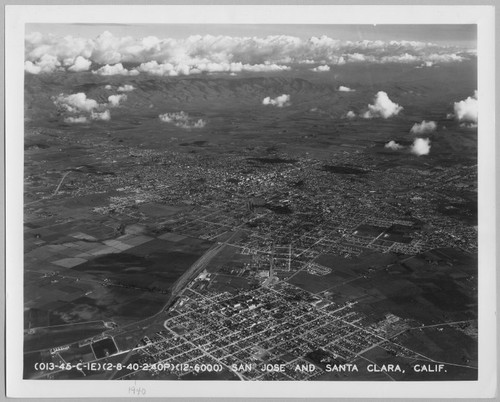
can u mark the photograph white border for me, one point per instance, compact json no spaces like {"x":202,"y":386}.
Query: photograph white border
{"x":15,"y":19}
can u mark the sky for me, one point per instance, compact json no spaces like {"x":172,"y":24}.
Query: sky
{"x":459,"y":35}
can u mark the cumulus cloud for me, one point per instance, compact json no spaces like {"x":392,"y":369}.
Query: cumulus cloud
{"x":421,"y":146}
{"x":46,"y":63}
{"x":345,"y":89}
{"x":125,"y":88}
{"x":426,"y":64}
{"x":424,"y":127}
{"x":115,"y":69}
{"x":468,"y":125}
{"x":104,"y":116}
{"x":32,"y":68}
{"x":182,"y":120}
{"x":75,"y":102}
{"x":466,"y":110}
{"x":393,"y":145}
{"x":279,"y":101}
{"x":79,"y":103}
{"x":401,"y":58}
{"x":80,"y":64}
{"x":322,"y":68}
{"x":350,"y":114}
{"x":206,"y":53}
{"x":76,"y":120}
{"x":114,"y":100}
{"x":382,"y":107}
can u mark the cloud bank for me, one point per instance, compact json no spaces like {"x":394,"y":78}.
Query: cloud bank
{"x":466,"y":110}
{"x":182,"y":120}
{"x":424,"y":127}
{"x":382,"y":107}
{"x":172,"y":70}
{"x":421,"y":146}
{"x":196,"y":54}
{"x":279,"y":101}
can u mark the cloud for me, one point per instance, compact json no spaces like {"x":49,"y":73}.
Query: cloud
{"x":350,"y":114}
{"x":467,"y":110}
{"x":108,"y":87}
{"x":80,"y":64}
{"x":125,"y":88}
{"x":445,"y":58}
{"x":79,"y":103}
{"x":45,"y":64}
{"x":421,"y":146}
{"x":233,"y":67}
{"x":75,"y":102}
{"x":424,"y":127}
{"x":182,"y":120}
{"x":165,"y":69}
{"x":345,"y":89}
{"x":321,"y":68}
{"x":114,"y":100}
{"x":382,"y":107}
{"x":76,"y":120}
{"x":468,"y":125}
{"x":169,"y":69}
{"x":402,"y":58}
{"x":32,"y":68}
{"x":279,"y":101}
{"x":222,"y":53}
{"x":62,"y":48}
{"x":105,"y":116}
{"x":393,"y":145}
{"x":261,"y":68}
{"x":427,"y":64}
{"x":116,"y":69}
{"x":358,"y":58}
